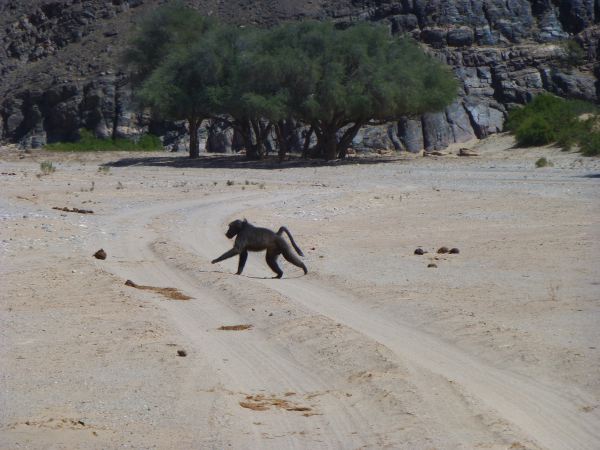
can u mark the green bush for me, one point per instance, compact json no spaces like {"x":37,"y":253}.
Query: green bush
{"x":535,"y":130}
{"x":574,"y":54}
{"x":543,"y":162}
{"x":590,"y":144}
{"x":549,"y":119}
{"x":88,"y":142}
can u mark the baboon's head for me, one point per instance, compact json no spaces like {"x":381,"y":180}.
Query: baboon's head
{"x":235,"y":227}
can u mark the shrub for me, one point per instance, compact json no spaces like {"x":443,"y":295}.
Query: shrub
{"x":590,"y":144}
{"x":46,"y":167}
{"x":543,"y":162}
{"x":574,"y":54}
{"x":535,"y":130}
{"x":88,"y":142}
{"x":549,"y":119}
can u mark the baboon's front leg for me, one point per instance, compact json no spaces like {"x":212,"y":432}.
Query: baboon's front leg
{"x":242,"y":262}
{"x":225,"y":255}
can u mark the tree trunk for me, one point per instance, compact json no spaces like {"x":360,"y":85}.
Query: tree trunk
{"x":307,"y":142}
{"x":261,"y":133}
{"x":243,"y":127}
{"x":193,"y":125}
{"x":328,"y":143}
{"x":281,"y":140}
{"x":347,"y":139}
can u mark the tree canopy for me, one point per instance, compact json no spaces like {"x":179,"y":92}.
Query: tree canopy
{"x":332,"y":81}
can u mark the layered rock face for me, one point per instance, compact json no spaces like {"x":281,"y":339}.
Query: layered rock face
{"x":61,"y":70}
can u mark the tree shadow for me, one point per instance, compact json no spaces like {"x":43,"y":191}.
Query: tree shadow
{"x":592,"y":175}
{"x":240,"y":162}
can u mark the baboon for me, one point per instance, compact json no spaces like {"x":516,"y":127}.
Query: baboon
{"x":254,"y":239}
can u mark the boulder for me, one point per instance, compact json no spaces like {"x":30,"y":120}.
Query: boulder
{"x":459,"y":122}
{"x":219,"y":139}
{"x":410,"y":133}
{"x":435,"y":37}
{"x":436,"y":131}
{"x":461,"y":37}
{"x":486,"y":119}
{"x":382,"y":137}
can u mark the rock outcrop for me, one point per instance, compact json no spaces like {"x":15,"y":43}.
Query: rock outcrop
{"x":61,"y":70}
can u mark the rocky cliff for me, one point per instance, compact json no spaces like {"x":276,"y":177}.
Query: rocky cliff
{"x":60,"y":66}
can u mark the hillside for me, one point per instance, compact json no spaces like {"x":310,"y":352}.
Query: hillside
{"x":61,"y":69}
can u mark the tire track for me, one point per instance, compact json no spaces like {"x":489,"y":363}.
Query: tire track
{"x":549,"y":415}
{"x":241,"y":364}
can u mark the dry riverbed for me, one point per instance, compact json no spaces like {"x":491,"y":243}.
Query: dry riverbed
{"x":497,"y":346}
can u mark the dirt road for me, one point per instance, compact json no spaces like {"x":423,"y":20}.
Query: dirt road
{"x":496,"y":347}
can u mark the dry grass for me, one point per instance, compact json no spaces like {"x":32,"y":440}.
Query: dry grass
{"x":172,"y":293}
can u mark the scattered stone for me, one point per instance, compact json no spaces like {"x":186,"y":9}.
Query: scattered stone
{"x":432,"y":265}
{"x":443,"y":250}
{"x":100,"y":254}
{"x":467,"y":152}
{"x":8,"y":173}
{"x":420,"y":251}
{"x":181,"y":353}
{"x":454,"y":251}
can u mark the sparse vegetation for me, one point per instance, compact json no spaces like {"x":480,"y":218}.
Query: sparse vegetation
{"x":549,"y":119}
{"x":88,"y":142}
{"x":46,"y":167}
{"x":104,"y":170}
{"x":230,"y":182}
{"x":590,"y":143}
{"x":574,"y":54}
{"x":543,"y":162}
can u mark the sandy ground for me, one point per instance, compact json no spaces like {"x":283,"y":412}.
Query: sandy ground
{"x":498,"y":347}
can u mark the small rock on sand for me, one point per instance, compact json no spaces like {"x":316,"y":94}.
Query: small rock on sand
{"x":443,"y":250}
{"x":454,"y":251}
{"x":181,"y":353}
{"x":432,"y":265}
{"x":100,"y":254}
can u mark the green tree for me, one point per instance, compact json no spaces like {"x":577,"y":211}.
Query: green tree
{"x":177,"y":67}
{"x":255,"y":100}
{"x":336,"y":81}
{"x":188,"y":67}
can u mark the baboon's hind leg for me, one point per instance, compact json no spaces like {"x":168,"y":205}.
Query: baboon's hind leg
{"x":287,"y":254}
{"x":272,"y":263}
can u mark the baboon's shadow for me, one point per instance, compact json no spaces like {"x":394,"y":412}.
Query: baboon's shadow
{"x":250,"y":276}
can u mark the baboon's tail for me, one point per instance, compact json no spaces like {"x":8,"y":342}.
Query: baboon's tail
{"x":280,"y":232}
